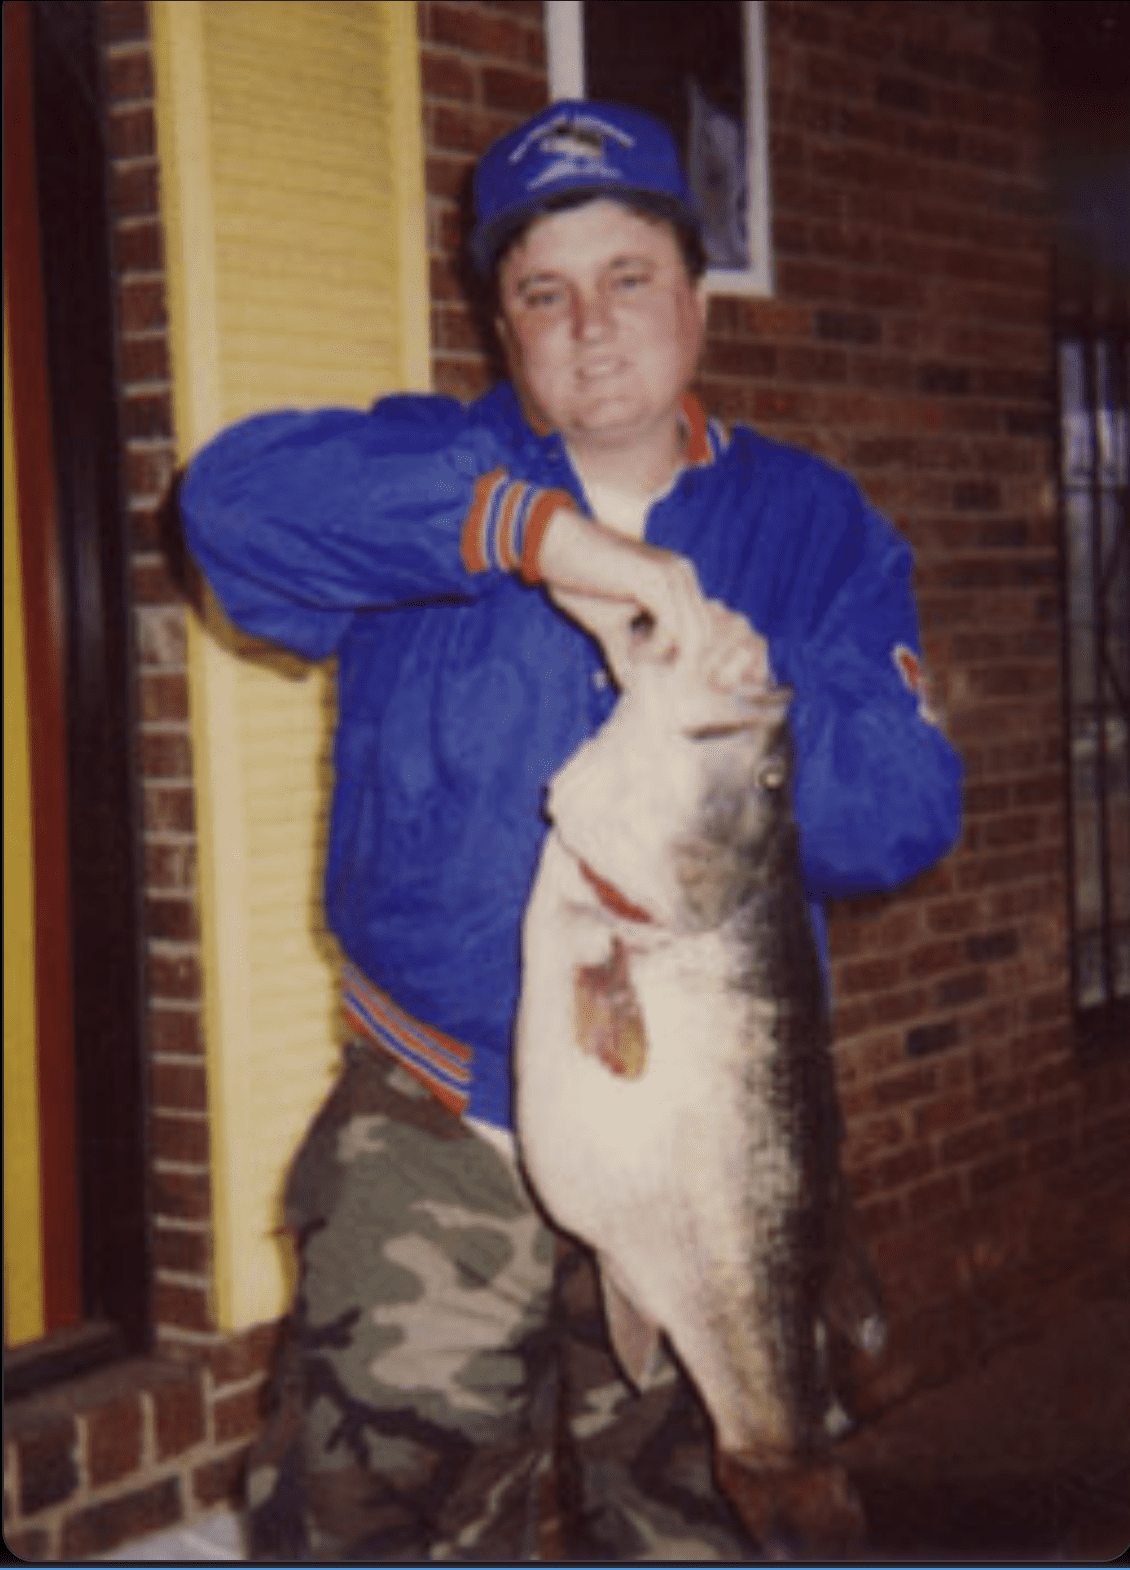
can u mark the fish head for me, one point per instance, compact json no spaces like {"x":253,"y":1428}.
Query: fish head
{"x":669,"y":802}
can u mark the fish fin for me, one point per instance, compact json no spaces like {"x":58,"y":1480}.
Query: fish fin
{"x":635,"y":1338}
{"x":607,"y":1017}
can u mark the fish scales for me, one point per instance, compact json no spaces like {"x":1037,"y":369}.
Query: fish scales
{"x":675,"y":1095}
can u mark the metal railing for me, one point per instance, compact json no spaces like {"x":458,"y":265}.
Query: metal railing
{"x":1094,"y":469}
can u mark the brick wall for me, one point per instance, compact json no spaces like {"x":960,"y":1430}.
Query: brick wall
{"x":177,"y":1131}
{"x":908,"y":339}
{"x":131,"y":1450}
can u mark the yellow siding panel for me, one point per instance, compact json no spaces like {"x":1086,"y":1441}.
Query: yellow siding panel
{"x":292,"y":168}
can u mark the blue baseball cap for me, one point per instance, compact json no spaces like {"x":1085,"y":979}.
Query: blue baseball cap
{"x":575,"y":146}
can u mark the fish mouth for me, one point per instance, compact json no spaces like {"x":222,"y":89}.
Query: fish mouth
{"x":611,"y":897}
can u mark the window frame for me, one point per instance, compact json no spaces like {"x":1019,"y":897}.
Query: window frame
{"x":567,"y":79}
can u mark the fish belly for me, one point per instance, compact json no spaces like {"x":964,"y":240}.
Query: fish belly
{"x":675,"y":1177}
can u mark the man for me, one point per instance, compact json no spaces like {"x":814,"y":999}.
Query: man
{"x":477,"y":571}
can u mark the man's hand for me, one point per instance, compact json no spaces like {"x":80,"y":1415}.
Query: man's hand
{"x":641,"y":602}
{"x":633,"y":598}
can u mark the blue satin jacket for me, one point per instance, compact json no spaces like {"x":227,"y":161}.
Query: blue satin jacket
{"x":403,"y":541}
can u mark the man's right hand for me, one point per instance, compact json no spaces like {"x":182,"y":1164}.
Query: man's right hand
{"x":618,"y":589}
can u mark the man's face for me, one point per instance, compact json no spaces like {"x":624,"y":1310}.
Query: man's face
{"x":601,"y":325}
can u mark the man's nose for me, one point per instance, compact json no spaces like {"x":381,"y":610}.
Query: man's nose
{"x":591,"y":315}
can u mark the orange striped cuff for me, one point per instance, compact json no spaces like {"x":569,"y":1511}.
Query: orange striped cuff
{"x":507,"y":520}
{"x":440,"y":1062}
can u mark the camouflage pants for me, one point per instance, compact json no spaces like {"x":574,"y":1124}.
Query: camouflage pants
{"x":445,"y":1388}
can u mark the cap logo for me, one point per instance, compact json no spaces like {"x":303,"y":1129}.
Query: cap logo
{"x":577,"y":147}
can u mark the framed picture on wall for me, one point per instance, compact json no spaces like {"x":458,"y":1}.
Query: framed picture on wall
{"x":698,"y":65}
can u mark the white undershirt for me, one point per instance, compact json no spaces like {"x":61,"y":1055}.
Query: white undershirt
{"x":624,"y":511}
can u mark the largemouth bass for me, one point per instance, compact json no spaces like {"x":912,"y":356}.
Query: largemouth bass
{"x":675,"y":1099}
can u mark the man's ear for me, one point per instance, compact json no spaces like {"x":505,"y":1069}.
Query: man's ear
{"x":508,"y":344}
{"x":702,"y":299}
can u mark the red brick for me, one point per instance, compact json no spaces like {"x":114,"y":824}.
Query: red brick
{"x":122,"y":21}
{"x":113,"y":1440}
{"x":182,"y":1307}
{"x":174,"y":1030}
{"x":135,"y":193}
{"x":905,"y":1166}
{"x":459,"y":130}
{"x":987,"y":1177}
{"x":446,"y":75}
{"x":173,"y":977}
{"x":149,"y":471}
{"x":1109,"y":1131}
{"x":900,"y":1089}
{"x":238,"y":1416}
{"x":163,"y":696}
{"x":169,"y":808}
{"x":145,"y":415}
{"x":141,"y":359}
{"x":132,"y":133}
{"x":743,"y":359}
{"x":138,"y":247}
{"x":220,"y":1482}
{"x":171,"y":919}
{"x":476,"y":31}
{"x":182,"y":1196}
{"x":934,"y":1197}
{"x":48,"y":1468}
{"x":182,"y":1250}
{"x":933,"y":959}
{"x":178,"y":1087}
{"x":171,"y":868}
{"x":771,"y":405}
{"x":129,"y":77}
{"x":178,"y":1416}
{"x":455,"y":329}
{"x":100,"y":1528}
{"x":521,"y":93}
{"x":897,"y":1008}
{"x":978,"y":1139}
{"x":942,"y":1114}
{"x":851,"y":1020}
{"x":965,"y":988}
{"x":881,"y":1216}
{"x":174,"y":1138}
{"x":1050,"y":1155}
{"x":153,"y":585}
{"x":143,"y":307}
{"x":251,"y":1352}
{"x":868,"y":1135}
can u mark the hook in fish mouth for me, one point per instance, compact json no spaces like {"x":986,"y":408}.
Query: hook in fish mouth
{"x":612,"y":899}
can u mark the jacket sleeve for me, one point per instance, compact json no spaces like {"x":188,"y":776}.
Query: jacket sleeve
{"x":877,"y":787}
{"x":301,"y":520}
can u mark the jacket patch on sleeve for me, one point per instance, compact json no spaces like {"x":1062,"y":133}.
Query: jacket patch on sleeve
{"x":915,"y":678}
